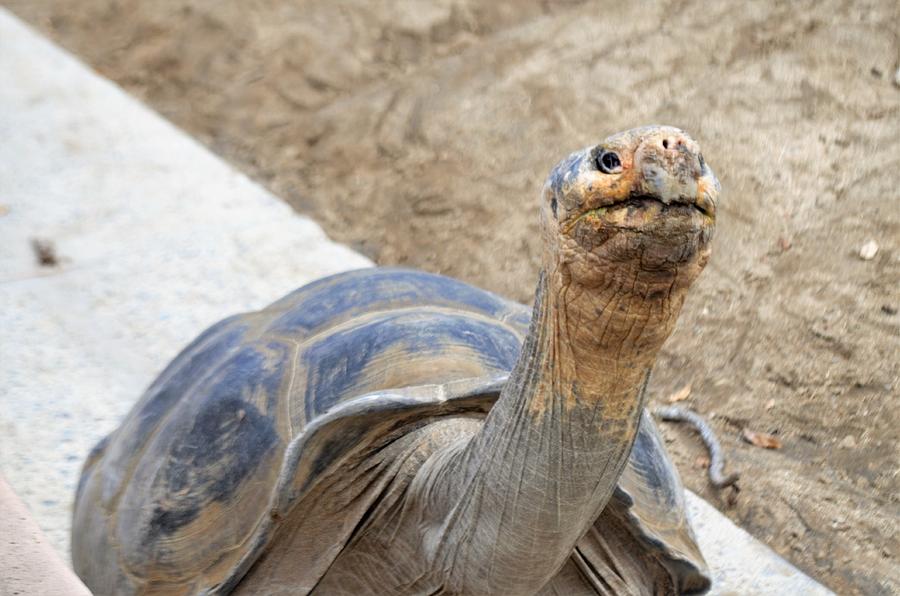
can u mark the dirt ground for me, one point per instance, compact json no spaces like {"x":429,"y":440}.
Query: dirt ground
{"x":420,"y":133}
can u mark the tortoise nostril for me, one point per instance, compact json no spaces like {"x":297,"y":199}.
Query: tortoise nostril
{"x":675,"y":143}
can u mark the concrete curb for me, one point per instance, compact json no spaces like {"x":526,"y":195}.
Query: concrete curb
{"x":154,"y":239}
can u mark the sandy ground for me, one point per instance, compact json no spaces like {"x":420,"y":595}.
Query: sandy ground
{"x":420,"y":133}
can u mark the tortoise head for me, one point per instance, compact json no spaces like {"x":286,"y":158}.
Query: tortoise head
{"x":642,"y":200}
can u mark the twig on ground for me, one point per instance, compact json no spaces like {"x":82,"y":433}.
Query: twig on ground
{"x":716,"y":458}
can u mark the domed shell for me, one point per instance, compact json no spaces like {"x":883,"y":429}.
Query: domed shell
{"x":185,"y":495}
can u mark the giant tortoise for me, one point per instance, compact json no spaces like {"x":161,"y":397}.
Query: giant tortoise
{"x":387,"y":431}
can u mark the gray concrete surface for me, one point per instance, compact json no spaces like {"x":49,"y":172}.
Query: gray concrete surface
{"x":156,"y":238}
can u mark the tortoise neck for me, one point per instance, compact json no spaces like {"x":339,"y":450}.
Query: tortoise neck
{"x":531,"y":482}
{"x":588,"y":348}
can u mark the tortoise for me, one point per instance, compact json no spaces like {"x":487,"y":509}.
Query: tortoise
{"x":389,"y":431}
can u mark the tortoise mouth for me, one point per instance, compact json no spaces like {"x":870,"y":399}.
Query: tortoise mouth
{"x":643,"y":209}
{"x":643,"y":201}
{"x":648,"y":229}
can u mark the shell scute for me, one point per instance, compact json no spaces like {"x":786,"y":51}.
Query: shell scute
{"x":329,"y":301}
{"x":400,"y":349}
{"x":194,"y":362}
{"x":207,"y":468}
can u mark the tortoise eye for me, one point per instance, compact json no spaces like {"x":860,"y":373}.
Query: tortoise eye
{"x":609,"y":162}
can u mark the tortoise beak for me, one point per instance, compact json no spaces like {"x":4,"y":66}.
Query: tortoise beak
{"x":670,"y":168}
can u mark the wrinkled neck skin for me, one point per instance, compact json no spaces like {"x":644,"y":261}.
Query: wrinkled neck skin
{"x":525,"y":488}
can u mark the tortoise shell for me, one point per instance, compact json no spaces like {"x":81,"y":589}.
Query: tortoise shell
{"x":247,"y":420}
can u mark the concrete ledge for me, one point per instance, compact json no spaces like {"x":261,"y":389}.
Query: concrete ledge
{"x":155,"y":239}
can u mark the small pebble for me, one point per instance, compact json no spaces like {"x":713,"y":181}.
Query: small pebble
{"x":888,"y":309}
{"x":848,"y":442}
{"x":868,"y":250}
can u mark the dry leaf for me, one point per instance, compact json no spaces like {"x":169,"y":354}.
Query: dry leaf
{"x":770,"y":404}
{"x":764,"y":440}
{"x":680,"y":395}
{"x":44,"y":252}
